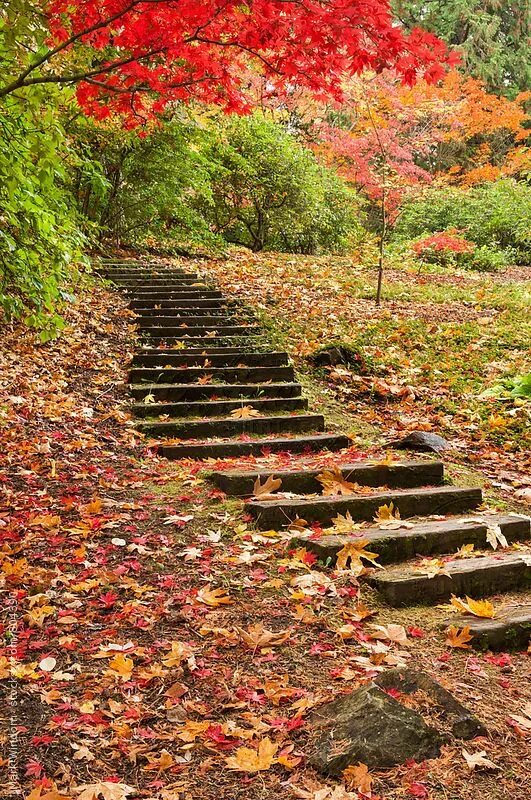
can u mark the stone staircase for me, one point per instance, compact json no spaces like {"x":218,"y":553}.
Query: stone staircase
{"x":204,"y":382}
{"x":205,"y":369}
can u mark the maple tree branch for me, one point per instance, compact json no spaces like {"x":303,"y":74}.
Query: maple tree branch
{"x":22,"y":79}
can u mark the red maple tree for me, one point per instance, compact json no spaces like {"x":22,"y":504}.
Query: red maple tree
{"x":135,"y":56}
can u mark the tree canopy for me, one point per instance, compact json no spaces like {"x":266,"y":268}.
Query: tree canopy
{"x":134,"y":56}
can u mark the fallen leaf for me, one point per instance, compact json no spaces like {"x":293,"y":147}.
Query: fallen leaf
{"x":334,"y":483}
{"x":213,"y":597}
{"x":458,"y":637}
{"x":358,"y":778}
{"x":180,"y":651}
{"x":107,"y":789}
{"x":391,"y":632}
{"x":245,"y":412}
{"x":478,"y":608}
{"x":270,"y":485}
{"x":349,"y":557}
{"x":387,"y":512}
{"x":257,"y":636}
{"x":48,"y":664}
{"x":246,"y":759}
{"x":495,"y":537}
{"x":478,"y":760}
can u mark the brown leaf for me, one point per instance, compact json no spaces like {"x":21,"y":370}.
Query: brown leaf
{"x":213,"y":597}
{"x":245,"y":412}
{"x":334,"y":483}
{"x":358,"y":778}
{"x":270,"y":485}
{"x":257,"y":636}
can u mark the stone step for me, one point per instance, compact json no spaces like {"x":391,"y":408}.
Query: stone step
{"x":217,"y":408}
{"x":184,"y":284}
{"x":424,"y":539}
{"x":256,"y":447}
{"x":191,"y":311}
{"x":246,"y":391}
{"x":199,"y":343}
{"x":177,"y":359}
{"x":206,"y":304}
{"x":176,"y":294}
{"x":206,"y":352}
{"x":219,"y":374}
{"x":147,"y":274}
{"x":186,"y":321}
{"x":411,"y":503}
{"x":202,"y":330}
{"x":475,"y":577}
{"x":227,"y":426}
{"x":509,"y":630}
{"x":304,"y":481}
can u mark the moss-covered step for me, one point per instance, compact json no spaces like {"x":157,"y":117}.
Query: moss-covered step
{"x":509,"y":630}
{"x":410,"y":503}
{"x":178,"y":358}
{"x":475,"y":577}
{"x":228,"y":426}
{"x":194,"y":391}
{"x":256,"y":447}
{"x":212,"y":374}
{"x":218,"y":408}
{"x":424,"y":538}
{"x":240,"y":483}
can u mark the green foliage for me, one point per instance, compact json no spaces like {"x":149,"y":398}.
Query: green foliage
{"x":492,"y":36}
{"x":495,"y":216}
{"x":39,"y":236}
{"x":150,"y":188}
{"x":270,"y":193}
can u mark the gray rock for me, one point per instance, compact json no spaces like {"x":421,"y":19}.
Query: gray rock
{"x":459,"y":719}
{"x":369,"y":726}
{"x":422,"y":440}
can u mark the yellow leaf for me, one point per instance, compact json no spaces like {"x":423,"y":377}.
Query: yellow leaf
{"x":352,"y":553}
{"x":458,"y":637}
{"x":431,"y":567}
{"x":213,"y":597}
{"x":268,"y":487}
{"x":387,"y":512}
{"x":344,"y":524}
{"x":247,"y":760}
{"x":122,"y":666}
{"x":478,"y":608}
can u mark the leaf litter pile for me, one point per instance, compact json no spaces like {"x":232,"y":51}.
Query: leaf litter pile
{"x":156,"y":646}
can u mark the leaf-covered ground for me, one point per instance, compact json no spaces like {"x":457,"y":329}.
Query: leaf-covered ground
{"x":154,"y":644}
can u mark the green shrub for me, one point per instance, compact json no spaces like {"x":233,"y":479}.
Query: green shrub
{"x":270,"y":193}
{"x":494,"y":215}
{"x":485,"y":259}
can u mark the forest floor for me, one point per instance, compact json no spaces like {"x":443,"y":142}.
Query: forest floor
{"x":133,"y":593}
